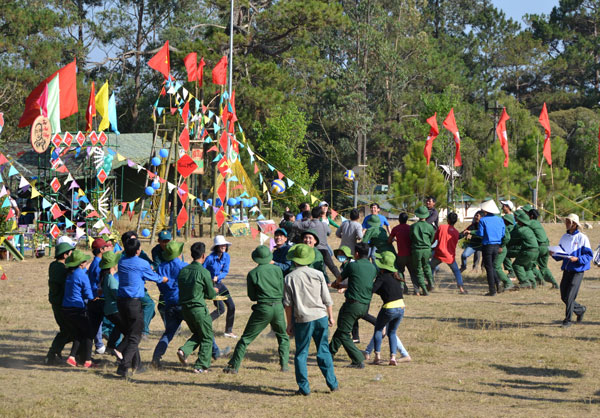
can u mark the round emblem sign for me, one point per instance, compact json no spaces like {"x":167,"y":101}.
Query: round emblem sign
{"x":41,"y":133}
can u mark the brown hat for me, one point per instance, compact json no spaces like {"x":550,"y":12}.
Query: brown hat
{"x":98,"y":244}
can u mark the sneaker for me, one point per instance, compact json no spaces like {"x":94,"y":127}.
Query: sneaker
{"x":356,"y":365}
{"x":181,"y":357}
{"x":356,"y":340}
{"x":230,"y":335}
{"x":299,"y":392}
{"x":566,"y":323}
{"x":140,"y":369}
{"x":156,"y":365}
{"x":222,"y":353}
{"x":51,"y":360}
{"x":230,"y":370}
{"x":284,"y":368}
{"x":580,"y":316}
{"x":100,"y":350}
{"x":72,"y":362}
{"x":199,"y":370}
{"x":463,"y":268}
{"x":124,"y":373}
{"x":490,"y":294}
{"x":90,"y":365}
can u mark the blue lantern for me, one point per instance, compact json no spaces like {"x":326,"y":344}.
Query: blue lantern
{"x":145,"y":232}
{"x":156,"y":184}
{"x":231,"y":201}
{"x":155,"y":161}
{"x":164,"y":153}
{"x":149,"y":191}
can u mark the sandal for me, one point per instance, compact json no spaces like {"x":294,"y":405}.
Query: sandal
{"x":377,"y":362}
{"x":393,"y":362}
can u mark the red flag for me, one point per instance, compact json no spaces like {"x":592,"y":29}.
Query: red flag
{"x":3,"y":276}
{"x":220,"y":217}
{"x":67,"y":84}
{"x":185,"y":112}
{"x":222,"y":191}
{"x":232,"y":101}
{"x":223,"y":141}
{"x":190,"y":66}
{"x":433,"y":133}
{"x":91,"y":109}
{"x":545,"y":122}
{"x":3,"y":159}
{"x":200,"y":72}
{"x":182,"y":217}
{"x":184,"y":139}
{"x":450,"y":124}
{"x":501,"y":132}
{"x":219,"y":73}
{"x":160,"y":61}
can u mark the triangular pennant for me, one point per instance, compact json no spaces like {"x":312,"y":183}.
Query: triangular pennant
{"x":68,"y":223}
{"x":254,"y":232}
{"x":23,"y":183}
{"x":45,"y":204}
{"x":304,"y":192}
{"x":313,"y":199}
{"x":79,"y":233}
{"x":12,"y":171}
{"x":220,"y":217}
{"x":290,"y":182}
{"x":34,"y":193}
{"x":279,"y":174}
{"x":263,"y":238}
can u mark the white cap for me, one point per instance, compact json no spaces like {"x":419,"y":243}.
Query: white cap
{"x":490,"y":207}
{"x":323,"y":203}
{"x":66,"y":239}
{"x":573,"y":218}
{"x":220,"y":240}
{"x":508,"y":203}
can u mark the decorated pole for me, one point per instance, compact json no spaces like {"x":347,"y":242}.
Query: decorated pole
{"x":164,"y":189}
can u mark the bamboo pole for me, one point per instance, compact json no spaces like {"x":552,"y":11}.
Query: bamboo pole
{"x":163,"y":190}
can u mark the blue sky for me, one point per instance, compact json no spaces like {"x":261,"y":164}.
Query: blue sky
{"x":517,"y":8}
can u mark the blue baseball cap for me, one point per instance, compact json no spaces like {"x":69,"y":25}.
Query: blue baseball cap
{"x":165,"y":235}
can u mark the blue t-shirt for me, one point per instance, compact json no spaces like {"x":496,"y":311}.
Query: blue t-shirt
{"x":77,"y":289}
{"x":133,"y":271}
{"x":169,"y":291}
{"x":280,"y":258}
{"x":382,"y":221}
{"x":218,"y":267}
{"x":491,"y":229}
{"x":94,"y":275}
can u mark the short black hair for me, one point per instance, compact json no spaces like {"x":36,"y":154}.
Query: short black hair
{"x":127,"y":235}
{"x":288,"y":216}
{"x":316,"y":212}
{"x":303,"y":206}
{"x":354,"y":215}
{"x":430,"y":198}
{"x":403,"y":218}
{"x":62,"y":256}
{"x":375,"y":204}
{"x":96,"y":251}
{"x":452,"y":218}
{"x":305,"y":214}
{"x":533,"y":214}
{"x":362,"y":249}
{"x":198,"y":249}
{"x":132,"y":245}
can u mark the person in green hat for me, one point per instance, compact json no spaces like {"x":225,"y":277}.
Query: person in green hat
{"x":164,"y":237}
{"x":195,"y":285}
{"x":525,"y":238}
{"x":309,"y":313}
{"x":391,"y":313}
{"x":57,"y":275}
{"x":310,"y":238}
{"x":542,"y":272}
{"x":421,"y":239}
{"x":360,"y":275}
{"x":109,"y":283}
{"x":265,"y":287}
{"x":168,"y":301}
{"x":77,"y":292}
{"x":377,"y":237}
{"x":509,"y":221}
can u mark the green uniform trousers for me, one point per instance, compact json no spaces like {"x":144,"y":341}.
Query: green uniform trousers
{"x":542,"y":272}
{"x":349,"y":313}
{"x":262,"y":315}
{"x":523,"y":266}
{"x":64,"y":335}
{"x":508,"y":264}
{"x":422,"y":268}
{"x":200,"y":323}
{"x":498,"y":263}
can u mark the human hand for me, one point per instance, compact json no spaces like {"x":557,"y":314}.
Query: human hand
{"x":215,"y":279}
{"x":574,"y":259}
{"x":331,"y":321}
{"x":342,"y":290}
{"x":290,"y":330}
{"x":164,"y":280}
{"x":216,"y":290}
{"x":500,"y":250}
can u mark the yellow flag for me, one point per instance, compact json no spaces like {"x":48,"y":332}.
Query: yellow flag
{"x":90,"y":241}
{"x":120,"y":157}
{"x":102,"y":106}
{"x":81,"y":193}
{"x":34,"y":192}
{"x":313,"y":199}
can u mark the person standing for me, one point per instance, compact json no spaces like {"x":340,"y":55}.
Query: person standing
{"x":503,"y":251}
{"x":491,"y":230}
{"x":217,"y":263}
{"x":57,"y":275}
{"x":164,"y":237}
{"x":445,"y":251}
{"x":322,"y":231}
{"x":401,"y":234}
{"x":96,"y":306}
{"x":265,"y":287}
{"x":542,"y":272}
{"x":375,"y":209}
{"x":360,"y":274}
{"x":421,"y":239}
{"x":434,"y":216}
{"x":309,"y":313}
{"x":280,"y":251}
{"x":109,"y":282}
{"x":350,"y":231}
{"x":195,"y":285}
{"x":311,"y":239}
{"x":576,"y":246}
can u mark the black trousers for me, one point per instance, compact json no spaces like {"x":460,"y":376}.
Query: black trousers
{"x":223,"y":291}
{"x":132,"y":316}
{"x":64,"y":335}
{"x":118,"y":329}
{"x":95,"y":310}
{"x":490,"y":252}
{"x":367,"y":317}
{"x":82,"y":332}
{"x":329,"y":262}
{"x":569,"y":287}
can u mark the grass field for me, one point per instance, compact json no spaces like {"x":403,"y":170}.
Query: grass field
{"x":472,"y":356}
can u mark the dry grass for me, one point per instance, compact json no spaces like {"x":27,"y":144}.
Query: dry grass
{"x":472,"y":356}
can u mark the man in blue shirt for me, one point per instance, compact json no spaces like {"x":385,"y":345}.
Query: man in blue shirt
{"x":375,"y":212}
{"x":133,"y":271}
{"x":164,"y":237}
{"x":96,"y":306}
{"x":280,"y":251}
{"x":491,"y":230}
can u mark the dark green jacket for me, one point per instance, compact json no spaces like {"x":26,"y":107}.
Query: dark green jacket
{"x":525,"y":238}
{"x":57,"y":275}
{"x":506,"y":238}
{"x":360,"y":275}
{"x":538,"y":231}
{"x":421,"y":235}
{"x":195,"y":285}
{"x":265,"y":283}
{"x":378,"y":237}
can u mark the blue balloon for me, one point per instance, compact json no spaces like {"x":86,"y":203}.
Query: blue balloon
{"x":231,"y":201}
{"x":254,"y":201}
{"x":164,"y":153}
{"x":209,"y":201}
{"x":247,"y":203}
{"x":155,"y":161}
{"x":149,"y":191}
{"x":156,"y":185}
{"x":145,"y":232}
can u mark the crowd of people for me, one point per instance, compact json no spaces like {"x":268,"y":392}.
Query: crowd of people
{"x":104,"y":296}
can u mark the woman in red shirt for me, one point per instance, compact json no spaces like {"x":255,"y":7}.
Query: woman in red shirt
{"x":447,"y":238}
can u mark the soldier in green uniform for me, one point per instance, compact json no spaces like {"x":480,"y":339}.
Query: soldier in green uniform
{"x":421,"y":238}
{"x":360,"y":274}
{"x":196,"y":285}
{"x":265,"y":287}
{"x":57,"y":274}
{"x":509,"y":221}
{"x":542,"y":272}
{"x":528,"y":253}
{"x":377,"y":237}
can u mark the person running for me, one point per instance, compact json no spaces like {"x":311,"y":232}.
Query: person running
{"x":401,"y":234}
{"x":472,"y":244}
{"x":280,"y":251}
{"x":164,"y":237}
{"x":524,"y":237}
{"x":95,"y":307}
{"x":376,"y":237}
{"x":421,"y":239}
{"x":576,"y":257}
{"x":375,"y":209}
{"x":109,"y":283}
{"x":445,"y":251}
{"x":322,"y":231}
{"x":217,"y":263}
{"x":265,"y":287}
{"x":509,"y":222}
{"x":542,"y":272}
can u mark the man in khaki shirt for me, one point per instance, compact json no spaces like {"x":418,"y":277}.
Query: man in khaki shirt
{"x":307,"y":299}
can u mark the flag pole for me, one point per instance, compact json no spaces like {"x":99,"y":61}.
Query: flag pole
{"x":553,"y":198}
